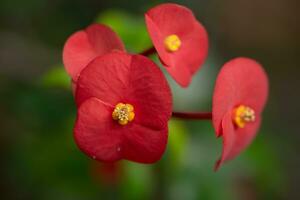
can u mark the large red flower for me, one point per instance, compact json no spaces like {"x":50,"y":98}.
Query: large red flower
{"x":85,"y":45}
{"x":180,"y":40}
{"x":240,"y":95}
{"x":124,"y":106}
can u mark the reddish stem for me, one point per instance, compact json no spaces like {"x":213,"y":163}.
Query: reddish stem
{"x":149,"y":51}
{"x":199,"y":115}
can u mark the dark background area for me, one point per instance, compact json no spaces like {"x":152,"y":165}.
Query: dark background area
{"x":39,"y":159}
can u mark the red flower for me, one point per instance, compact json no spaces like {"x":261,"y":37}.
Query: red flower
{"x":180,"y":40}
{"x":85,"y":45}
{"x":124,"y":106}
{"x":240,"y":95}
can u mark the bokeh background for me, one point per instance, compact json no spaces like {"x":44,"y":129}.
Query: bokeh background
{"x":39,"y":160}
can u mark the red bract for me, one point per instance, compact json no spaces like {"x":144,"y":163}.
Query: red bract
{"x":240,"y":95}
{"x":85,"y":45}
{"x":124,"y":106}
{"x":180,"y":40}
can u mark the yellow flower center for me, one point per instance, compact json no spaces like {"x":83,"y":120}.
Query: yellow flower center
{"x":243,"y":115}
{"x":123,"y":113}
{"x":172,"y":43}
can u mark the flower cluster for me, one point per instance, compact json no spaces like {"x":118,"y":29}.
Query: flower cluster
{"x":124,"y":101}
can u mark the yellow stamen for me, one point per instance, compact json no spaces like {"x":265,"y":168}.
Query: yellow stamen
{"x":243,"y":115}
{"x":123,"y":113}
{"x":172,"y":43}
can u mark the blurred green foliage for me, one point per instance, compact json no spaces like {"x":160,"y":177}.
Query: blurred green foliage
{"x":129,"y":27}
{"x":57,"y":77}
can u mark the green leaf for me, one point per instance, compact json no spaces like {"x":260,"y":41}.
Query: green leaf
{"x":56,"y":77}
{"x":177,"y":141}
{"x":138,"y":181}
{"x":129,"y":27}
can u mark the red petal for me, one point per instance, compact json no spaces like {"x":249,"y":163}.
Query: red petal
{"x":149,"y":93}
{"x":244,"y":137}
{"x":171,"y":19}
{"x":119,"y":77}
{"x":106,"y":78}
{"x":144,"y":145}
{"x":167,"y":19}
{"x":101,"y":138}
{"x":83,"y":46}
{"x":235,"y":140}
{"x":228,"y":139}
{"x":195,"y":47}
{"x":240,"y":81}
{"x":95,"y":133}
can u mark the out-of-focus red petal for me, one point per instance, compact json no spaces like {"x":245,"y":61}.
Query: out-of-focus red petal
{"x":195,"y":48}
{"x":143,"y":144}
{"x":108,"y":174}
{"x":181,"y":75}
{"x":83,"y":46}
{"x":240,"y":81}
{"x":106,"y":78}
{"x":235,"y":140}
{"x":171,"y":19}
{"x":149,"y":93}
{"x":167,"y":19}
{"x":244,"y":137}
{"x":95,"y":132}
{"x":228,"y":139}
{"x":104,"y":39}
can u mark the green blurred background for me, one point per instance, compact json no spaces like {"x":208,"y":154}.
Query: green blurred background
{"x":39,"y":160}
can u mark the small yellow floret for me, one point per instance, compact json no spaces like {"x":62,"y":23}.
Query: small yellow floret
{"x":243,"y":115}
{"x":172,"y":43}
{"x":123,"y":113}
